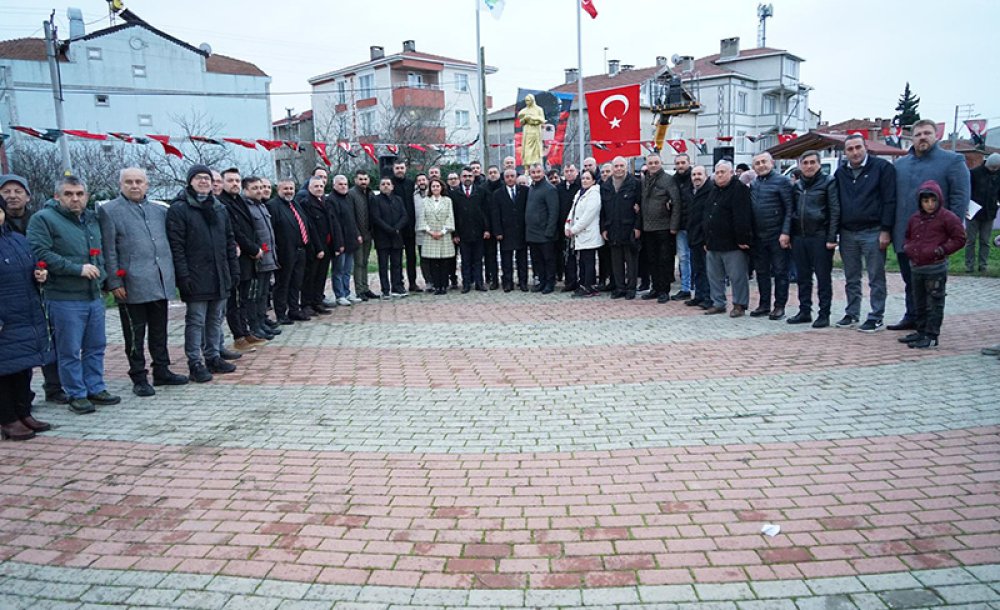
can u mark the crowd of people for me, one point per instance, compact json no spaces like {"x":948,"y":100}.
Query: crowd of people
{"x":235,"y":247}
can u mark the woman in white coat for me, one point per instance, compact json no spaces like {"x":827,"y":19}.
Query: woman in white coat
{"x":437,"y":224}
{"x":583,"y":228}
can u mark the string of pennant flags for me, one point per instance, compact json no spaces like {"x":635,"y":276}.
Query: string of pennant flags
{"x":323,"y":149}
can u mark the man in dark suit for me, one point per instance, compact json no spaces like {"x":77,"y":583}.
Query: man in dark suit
{"x":403,"y":188}
{"x":389,"y":222}
{"x":508,"y":225}
{"x":621,"y":225}
{"x":238,"y":308}
{"x":291,"y":235}
{"x":472,"y":227}
{"x":541,"y":221}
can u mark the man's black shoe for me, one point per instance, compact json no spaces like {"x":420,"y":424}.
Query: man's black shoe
{"x":618,"y":294}
{"x":692,"y":302}
{"x":104,"y":398}
{"x":226,"y":354}
{"x":172,"y":378}
{"x":494,"y":285}
{"x":904,"y":324}
{"x":604,"y":288}
{"x":821,"y":322}
{"x":299,"y":316}
{"x":481,"y":288}
{"x":143,"y":389}
{"x":643,"y":287}
{"x":523,"y":287}
{"x":218,"y":365}
{"x":59,"y":397}
{"x":761,"y":311}
{"x":681,"y":295}
{"x":925,"y":342}
{"x":569,"y":288}
{"x":663,"y":298}
{"x":371,"y":295}
{"x":629,"y":295}
{"x":466,"y":289}
{"x":285,"y":321}
{"x":910,"y":338}
{"x":649,"y":296}
{"x":548,"y":290}
{"x":800,"y":318}
{"x":271,"y":323}
{"x":200,"y":373}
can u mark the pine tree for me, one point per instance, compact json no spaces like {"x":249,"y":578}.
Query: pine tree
{"x":908,"y":114}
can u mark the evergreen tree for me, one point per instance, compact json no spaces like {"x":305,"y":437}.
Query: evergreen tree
{"x":908,"y":114}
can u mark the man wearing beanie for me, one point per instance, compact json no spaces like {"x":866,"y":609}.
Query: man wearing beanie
{"x":985,"y":192}
{"x":204,"y":253}
{"x":14,"y":191}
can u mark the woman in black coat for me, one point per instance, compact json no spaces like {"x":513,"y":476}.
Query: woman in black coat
{"x":24,"y":333}
{"x":388,"y":221}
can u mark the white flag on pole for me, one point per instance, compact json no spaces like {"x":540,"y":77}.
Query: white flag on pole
{"x":495,"y":7}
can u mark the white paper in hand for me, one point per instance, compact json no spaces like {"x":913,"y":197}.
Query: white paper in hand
{"x":972,"y":210}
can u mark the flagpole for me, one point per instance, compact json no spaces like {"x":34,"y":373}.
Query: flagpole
{"x":579,"y":79}
{"x":481,"y":110}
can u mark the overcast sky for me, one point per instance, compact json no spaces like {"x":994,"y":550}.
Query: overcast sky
{"x":859,"y":53}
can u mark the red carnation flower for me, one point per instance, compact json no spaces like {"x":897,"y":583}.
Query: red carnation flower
{"x":42,"y":265}
{"x":265,"y":248}
{"x":120,"y":273}
{"x":95,"y":252}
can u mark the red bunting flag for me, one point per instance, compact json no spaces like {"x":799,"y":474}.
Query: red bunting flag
{"x":205,"y":140}
{"x":293,"y":145}
{"x":168,"y":148}
{"x":725,"y":138}
{"x":124,"y":137}
{"x":786,"y":137}
{"x":861,"y":132}
{"x":345,"y":146}
{"x":614,"y":117}
{"x":243,"y":143}
{"x":392,"y":148}
{"x":588,"y":5}
{"x":270,"y":144}
{"x":680,"y":146}
{"x":85,"y":134}
{"x":321,"y":150}
{"x":417,"y":147}
{"x":940,"y":131}
{"x":369,"y":149}
{"x":50,"y":135}
{"x":976,"y":126}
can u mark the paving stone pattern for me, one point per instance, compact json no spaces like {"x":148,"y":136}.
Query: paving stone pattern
{"x":526,"y":451}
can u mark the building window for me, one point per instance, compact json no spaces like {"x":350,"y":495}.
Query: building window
{"x":93,"y":53}
{"x":366,"y":84}
{"x":414,"y":79}
{"x":462,"y":154}
{"x":145,"y":120}
{"x":139,"y":71}
{"x":462,"y":119}
{"x":342,"y":93}
{"x":462,"y":82}
{"x":366,"y":120}
{"x":741,"y":139}
{"x":769,"y":105}
{"x":741,"y":102}
{"x":102,"y":100}
{"x":791,"y":68}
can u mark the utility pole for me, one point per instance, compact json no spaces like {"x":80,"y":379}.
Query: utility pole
{"x":50,"y":52}
{"x":483,"y":125}
{"x":967,"y":109}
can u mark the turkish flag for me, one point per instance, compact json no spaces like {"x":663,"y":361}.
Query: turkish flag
{"x":975,"y":126}
{"x":369,"y":149}
{"x":320,"y":148}
{"x":243,"y":143}
{"x":786,"y":137}
{"x":678,"y":145}
{"x":614,"y":119}
{"x":588,"y":5}
{"x":270,"y":144}
{"x":940,"y":131}
{"x":85,"y":134}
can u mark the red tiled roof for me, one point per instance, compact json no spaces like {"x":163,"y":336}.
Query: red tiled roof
{"x":304,"y":116}
{"x":851,"y":125}
{"x":28,"y":49}
{"x":815,"y":140}
{"x":222,"y":64}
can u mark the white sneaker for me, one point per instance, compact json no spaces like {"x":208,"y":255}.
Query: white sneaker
{"x":343,"y":302}
{"x":397,"y":295}
{"x":354,"y":300}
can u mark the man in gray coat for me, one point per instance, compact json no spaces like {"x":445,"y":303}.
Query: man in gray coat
{"x":925,"y":161}
{"x":541,"y":220}
{"x":140,"y":272}
{"x":661,"y":219}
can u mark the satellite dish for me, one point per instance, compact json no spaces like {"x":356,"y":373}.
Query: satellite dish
{"x":207,"y":48}
{"x":675,"y":59}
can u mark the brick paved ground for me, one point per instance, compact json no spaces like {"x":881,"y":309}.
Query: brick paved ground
{"x":527,"y":451}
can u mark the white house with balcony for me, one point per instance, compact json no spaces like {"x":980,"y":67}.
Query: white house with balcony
{"x":409,"y":97}
{"x":137,"y":79}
